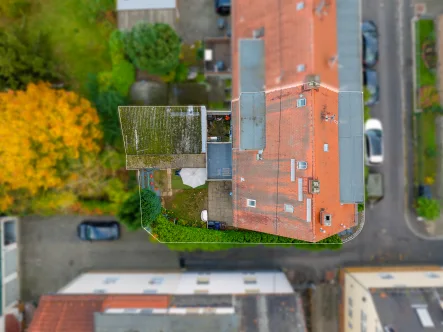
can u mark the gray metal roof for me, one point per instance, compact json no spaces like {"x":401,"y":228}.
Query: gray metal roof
{"x":145,"y":4}
{"x":350,"y":102}
{"x":252,"y":97}
{"x":162,"y":323}
{"x":349,"y":45}
{"x":252,"y":121}
{"x":252,"y":65}
{"x":219,"y":162}
{"x":396,"y":308}
{"x":350,"y":140}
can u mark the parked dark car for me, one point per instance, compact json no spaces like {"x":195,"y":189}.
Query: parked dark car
{"x":424,"y":191}
{"x":370,"y":81}
{"x":223,"y":7}
{"x":370,"y":44}
{"x":98,"y":230}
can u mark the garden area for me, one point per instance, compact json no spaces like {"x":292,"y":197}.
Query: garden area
{"x":66,"y":64}
{"x":427,"y":111}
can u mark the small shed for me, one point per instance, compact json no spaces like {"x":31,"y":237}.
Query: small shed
{"x":129,"y":12}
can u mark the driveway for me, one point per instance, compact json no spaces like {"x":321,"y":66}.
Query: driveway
{"x":51,"y":255}
{"x":198,"y":20}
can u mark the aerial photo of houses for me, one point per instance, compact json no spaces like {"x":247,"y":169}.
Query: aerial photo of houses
{"x":221,"y":165}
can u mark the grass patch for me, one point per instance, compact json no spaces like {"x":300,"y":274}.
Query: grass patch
{"x":78,"y":31}
{"x":188,"y":204}
{"x":216,"y":105}
{"x":425,"y":31}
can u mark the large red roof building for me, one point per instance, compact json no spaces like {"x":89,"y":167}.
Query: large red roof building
{"x":297,"y":116}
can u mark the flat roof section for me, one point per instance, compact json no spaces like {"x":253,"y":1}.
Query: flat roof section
{"x":252,"y":65}
{"x":252,"y":121}
{"x":219,"y":162}
{"x":350,"y":140}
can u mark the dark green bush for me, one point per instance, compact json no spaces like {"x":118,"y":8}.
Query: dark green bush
{"x":129,"y":212}
{"x":151,"y":207}
{"x":166,"y":231}
{"x":153,"y":47}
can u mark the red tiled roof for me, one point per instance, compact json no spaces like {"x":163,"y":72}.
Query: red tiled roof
{"x":75,"y":313}
{"x":292,"y":37}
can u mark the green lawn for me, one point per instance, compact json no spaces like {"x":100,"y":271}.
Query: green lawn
{"x":188,"y":204}
{"x":78,"y":32}
{"x":425,"y":30}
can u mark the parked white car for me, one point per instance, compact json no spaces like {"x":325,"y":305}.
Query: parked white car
{"x":373,"y":142}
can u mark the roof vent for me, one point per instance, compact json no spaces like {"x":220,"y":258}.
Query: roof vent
{"x":325,"y":147}
{"x":258,"y":33}
{"x":300,"y":5}
{"x":326,"y":218}
{"x":301,"y":68}
{"x":314,"y":186}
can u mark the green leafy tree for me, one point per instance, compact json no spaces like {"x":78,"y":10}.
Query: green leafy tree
{"x":150,"y":206}
{"x":24,"y":58}
{"x":428,"y":208}
{"x":116,"y":46}
{"x":107,"y":102}
{"x":123,"y":75}
{"x":129,"y":213}
{"x":14,"y":8}
{"x":153,"y":47}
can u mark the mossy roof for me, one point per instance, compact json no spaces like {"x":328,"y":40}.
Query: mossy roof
{"x":162,"y":129}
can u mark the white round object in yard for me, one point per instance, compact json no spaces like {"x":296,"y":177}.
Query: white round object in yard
{"x":194,"y":177}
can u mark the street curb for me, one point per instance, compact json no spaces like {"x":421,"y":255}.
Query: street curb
{"x":408,"y":209}
{"x":359,"y":229}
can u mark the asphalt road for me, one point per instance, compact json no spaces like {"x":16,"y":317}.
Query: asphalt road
{"x":51,"y":255}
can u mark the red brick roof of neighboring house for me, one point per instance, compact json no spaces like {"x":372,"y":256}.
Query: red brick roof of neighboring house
{"x":291,"y":37}
{"x":75,"y":313}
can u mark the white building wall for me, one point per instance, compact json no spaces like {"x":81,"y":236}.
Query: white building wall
{"x":359,"y":299}
{"x":179,"y":283}
{"x":413,"y":279}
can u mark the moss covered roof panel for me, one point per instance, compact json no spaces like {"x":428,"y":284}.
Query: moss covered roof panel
{"x":163,"y":129}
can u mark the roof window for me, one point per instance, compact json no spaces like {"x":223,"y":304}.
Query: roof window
{"x":300,"y":5}
{"x":301,"y":68}
{"x":301,"y":102}
{"x":289,"y":208}
{"x":302,"y":165}
{"x":251,"y":202}
{"x":386,"y":276}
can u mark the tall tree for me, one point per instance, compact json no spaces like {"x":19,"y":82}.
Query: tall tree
{"x":43,"y":131}
{"x":24,"y":58}
{"x":153,"y":47}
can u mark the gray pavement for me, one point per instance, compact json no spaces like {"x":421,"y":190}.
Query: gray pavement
{"x":51,"y":254}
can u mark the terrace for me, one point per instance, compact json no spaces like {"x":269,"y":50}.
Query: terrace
{"x":218,"y":56}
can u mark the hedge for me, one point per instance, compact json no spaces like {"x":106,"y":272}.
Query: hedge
{"x":166,"y":231}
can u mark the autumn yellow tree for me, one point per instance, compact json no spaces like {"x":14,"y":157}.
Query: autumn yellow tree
{"x":42,"y":132}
